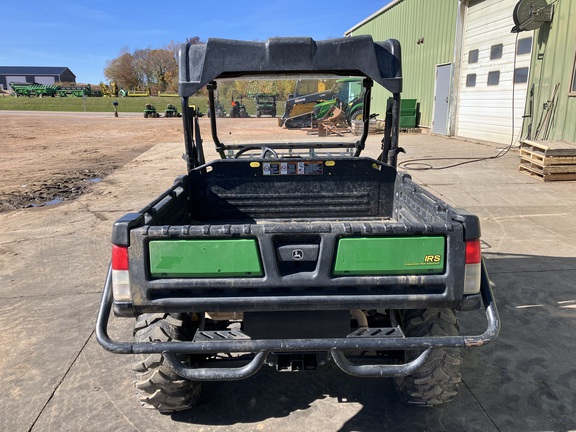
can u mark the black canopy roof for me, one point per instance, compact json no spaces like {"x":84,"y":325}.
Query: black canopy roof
{"x":351,"y":56}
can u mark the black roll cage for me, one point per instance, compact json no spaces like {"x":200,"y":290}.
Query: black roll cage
{"x":202,"y":64}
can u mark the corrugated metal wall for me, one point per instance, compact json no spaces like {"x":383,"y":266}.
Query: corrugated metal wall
{"x":552,"y":63}
{"x":409,"y":21}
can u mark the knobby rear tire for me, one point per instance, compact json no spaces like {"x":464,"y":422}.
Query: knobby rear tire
{"x":157,"y":385}
{"x":437,"y":381}
{"x":356,"y":115}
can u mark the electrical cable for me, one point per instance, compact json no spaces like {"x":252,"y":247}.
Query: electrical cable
{"x":427,"y":167}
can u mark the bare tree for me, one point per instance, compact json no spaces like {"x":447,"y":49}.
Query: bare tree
{"x":152,"y":66}
{"x":155,"y":68}
{"x":121,"y":70}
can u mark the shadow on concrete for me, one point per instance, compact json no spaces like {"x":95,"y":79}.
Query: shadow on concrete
{"x":362,"y":404}
{"x":524,"y":381}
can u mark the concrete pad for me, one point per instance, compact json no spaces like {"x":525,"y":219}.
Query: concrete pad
{"x":56,"y":377}
{"x":42,"y":336}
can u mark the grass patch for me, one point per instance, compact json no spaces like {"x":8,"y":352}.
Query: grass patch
{"x":92,"y":104}
{"x":104,"y":104}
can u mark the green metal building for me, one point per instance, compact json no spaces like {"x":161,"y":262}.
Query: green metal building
{"x":553,"y":78}
{"x":426,"y":31}
{"x":462,"y":60}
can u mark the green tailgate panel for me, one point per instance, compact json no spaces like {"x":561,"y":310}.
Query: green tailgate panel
{"x":390,"y":256}
{"x":205,"y":258}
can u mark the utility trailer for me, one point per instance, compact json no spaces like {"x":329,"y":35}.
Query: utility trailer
{"x":295,"y":254}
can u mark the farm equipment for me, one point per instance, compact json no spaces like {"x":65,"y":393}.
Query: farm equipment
{"x":218,"y":109}
{"x":77,"y":91}
{"x":295,"y":255}
{"x":171,"y":111}
{"x":238,"y":109}
{"x":196,"y":109}
{"x":33,"y":89}
{"x":41,"y":90}
{"x":304,"y":111}
{"x":20,"y":89}
{"x":109,"y":91}
{"x":150,"y":111}
{"x":350,"y":98}
{"x":265,"y":105}
{"x":136,"y":93}
{"x":299,"y":107}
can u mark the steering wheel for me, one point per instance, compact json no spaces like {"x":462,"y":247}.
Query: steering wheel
{"x":264,"y":152}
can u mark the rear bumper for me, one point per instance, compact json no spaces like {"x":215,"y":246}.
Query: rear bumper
{"x":381,"y":341}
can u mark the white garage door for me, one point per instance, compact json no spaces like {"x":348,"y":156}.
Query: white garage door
{"x":490,"y":83}
{"x":15,"y":79}
{"x":44,"y":80}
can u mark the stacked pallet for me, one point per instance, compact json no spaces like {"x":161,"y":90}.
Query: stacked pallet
{"x":548,"y":160}
{"x":374,"y":127}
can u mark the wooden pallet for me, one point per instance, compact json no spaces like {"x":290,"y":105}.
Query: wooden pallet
{"x":549,"y":160}
{"x":374,"y":127}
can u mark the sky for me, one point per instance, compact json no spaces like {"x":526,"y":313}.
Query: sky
{"x":84,"y":35}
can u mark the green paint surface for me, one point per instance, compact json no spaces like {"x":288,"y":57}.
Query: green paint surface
{"x":205,"y":258}
{"x":390,"y":256}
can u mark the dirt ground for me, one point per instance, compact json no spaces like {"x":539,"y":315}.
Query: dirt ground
{"x":53,"y":157}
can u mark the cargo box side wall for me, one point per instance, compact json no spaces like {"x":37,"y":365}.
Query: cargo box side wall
{"x":415,"y":205}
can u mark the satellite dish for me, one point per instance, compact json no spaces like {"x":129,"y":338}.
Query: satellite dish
{"x":531,"y":14}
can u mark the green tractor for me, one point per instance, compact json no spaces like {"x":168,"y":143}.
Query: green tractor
{"x":150,"y":111}
{"x":171,"y":111}
{"x":265,"y":105}
{"x":347,"y":94}
{"x":237,"y":108}
{"x":351,"y":97}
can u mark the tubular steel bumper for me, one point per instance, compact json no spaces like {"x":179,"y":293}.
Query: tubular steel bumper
{"x":261,"y":348}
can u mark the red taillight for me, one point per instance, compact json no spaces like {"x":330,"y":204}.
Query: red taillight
{"x":119,"y":257}
{"x":473,"y":252}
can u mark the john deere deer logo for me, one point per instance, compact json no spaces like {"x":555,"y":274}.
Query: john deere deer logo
{"x":297,"y":254}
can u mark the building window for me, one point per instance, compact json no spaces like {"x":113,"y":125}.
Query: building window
{"x":473,"y":56}
{"x":521,"y":75}
{"x":524,"y":46}
{"x":493,"y":78}
{"x":496,"y":51}
{"x":471,"y":80}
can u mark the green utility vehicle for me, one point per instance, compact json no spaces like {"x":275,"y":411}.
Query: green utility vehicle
{"x":294,"y":255}
{"x":265,"y":105}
